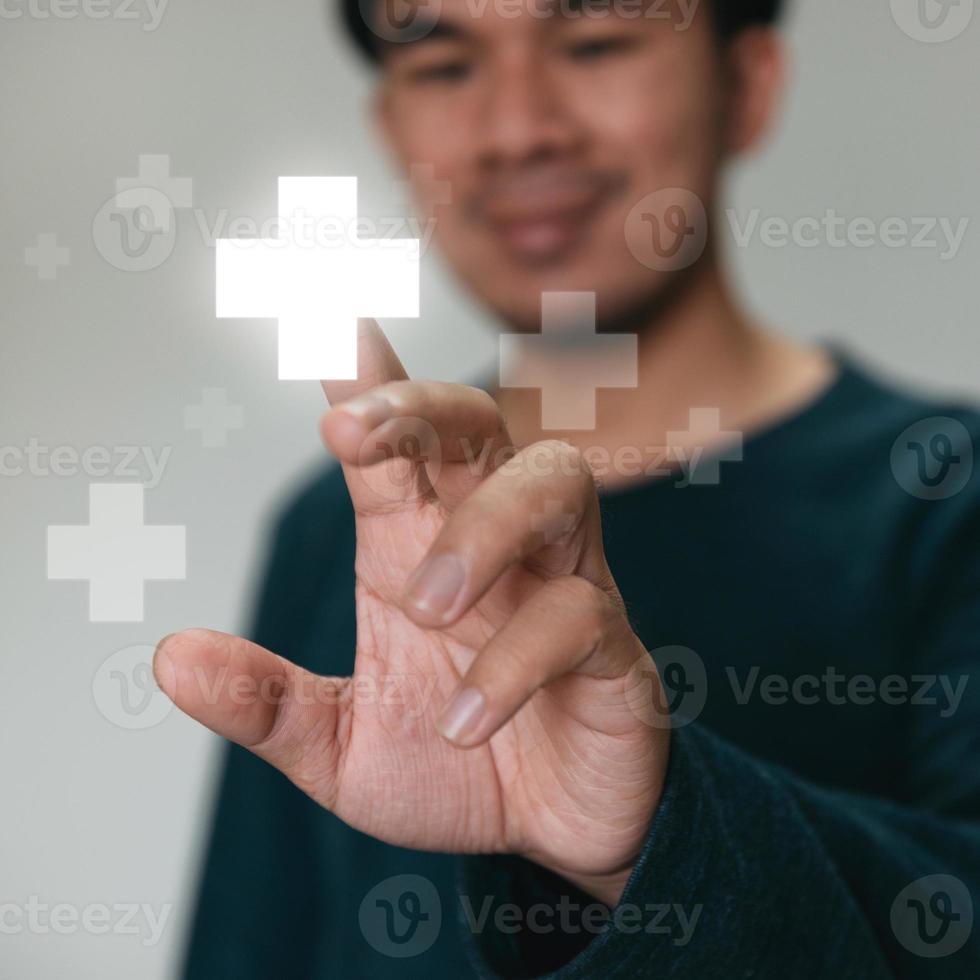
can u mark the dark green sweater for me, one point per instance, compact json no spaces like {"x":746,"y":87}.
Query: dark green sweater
{"x":821,"y":815}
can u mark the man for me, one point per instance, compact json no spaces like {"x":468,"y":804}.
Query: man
{"x":500,"y":766}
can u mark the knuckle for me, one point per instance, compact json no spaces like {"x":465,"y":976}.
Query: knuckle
{"x":579,"y":598}
{"x":483,"y":401}
{"x":565,"y":464}
{"x":401,"y":395}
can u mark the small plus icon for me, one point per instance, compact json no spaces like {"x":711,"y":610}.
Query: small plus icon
{"x":422,"y":176}
{"x":47,"y":256}
{"x":704,"y":432}
{"x":154,"y":175}
{"x":116,"y":553}
{"x":552,"y":523}
{"x":568,"y":360}
{"x":214,"y":417}
{"x":315,"y":283}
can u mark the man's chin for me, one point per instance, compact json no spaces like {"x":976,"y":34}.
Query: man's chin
{"x":619,"y":307}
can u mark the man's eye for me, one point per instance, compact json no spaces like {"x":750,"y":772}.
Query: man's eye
{"x":599,"y":47}
{"x":445,"y":71}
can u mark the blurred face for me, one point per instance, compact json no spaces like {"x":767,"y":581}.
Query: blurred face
{"x":550,"y":127}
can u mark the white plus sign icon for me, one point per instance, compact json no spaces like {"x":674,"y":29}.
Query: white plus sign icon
{"x":568,"y":360}
{"x":704,"y":434}
{"x":47,"y":256}
{"x":317,"y":277}
{"x":116,"y":553}
{"x":214,"y":417}
{"x":134,"y":193}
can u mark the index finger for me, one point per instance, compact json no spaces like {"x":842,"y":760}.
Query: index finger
{"x":377,"y":364}
{"x":388,"y":483}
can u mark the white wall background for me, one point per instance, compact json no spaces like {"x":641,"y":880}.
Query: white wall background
{"x":238,"y":92}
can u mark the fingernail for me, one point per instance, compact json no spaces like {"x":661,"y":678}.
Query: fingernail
{"x":461,"y":717}
{"x":436,"y":584}
{"x":372,"y":410}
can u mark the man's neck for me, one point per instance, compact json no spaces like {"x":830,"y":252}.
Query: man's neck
{"x":697,"y":352}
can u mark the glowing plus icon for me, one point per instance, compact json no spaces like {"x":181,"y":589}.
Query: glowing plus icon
{"x":317,"y":277}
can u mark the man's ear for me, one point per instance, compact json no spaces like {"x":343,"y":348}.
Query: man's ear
{"x":757,"y":69}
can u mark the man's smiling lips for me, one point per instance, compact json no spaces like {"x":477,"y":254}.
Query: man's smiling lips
{"x":540,"y":220}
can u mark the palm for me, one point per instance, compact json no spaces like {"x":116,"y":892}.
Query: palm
{"x":536,"y":787}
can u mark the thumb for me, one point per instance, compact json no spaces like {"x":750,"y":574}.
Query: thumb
{"x":284,"y":714}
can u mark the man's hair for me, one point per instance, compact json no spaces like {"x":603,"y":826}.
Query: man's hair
{"x":730,"y":17}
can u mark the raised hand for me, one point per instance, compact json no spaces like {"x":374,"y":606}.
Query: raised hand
{"x":500,"y":701}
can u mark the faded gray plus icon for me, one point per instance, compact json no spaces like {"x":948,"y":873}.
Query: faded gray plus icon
{"x":116,"y":553}
{"x":46,"y":257}
{"x":423,"y":182}
{"x":552,"y":522}
{"x":135,"y":230}
{"x":214,"y":418}
{"x":588,"y":361}
{"x":155,"y":190}
{"x":703,"y":446}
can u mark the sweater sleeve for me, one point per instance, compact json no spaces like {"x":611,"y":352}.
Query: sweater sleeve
{"x":746,"y":872}
{"x":752,"y":871}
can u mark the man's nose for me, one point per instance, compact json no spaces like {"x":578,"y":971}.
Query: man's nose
{"x":525,"y":115}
